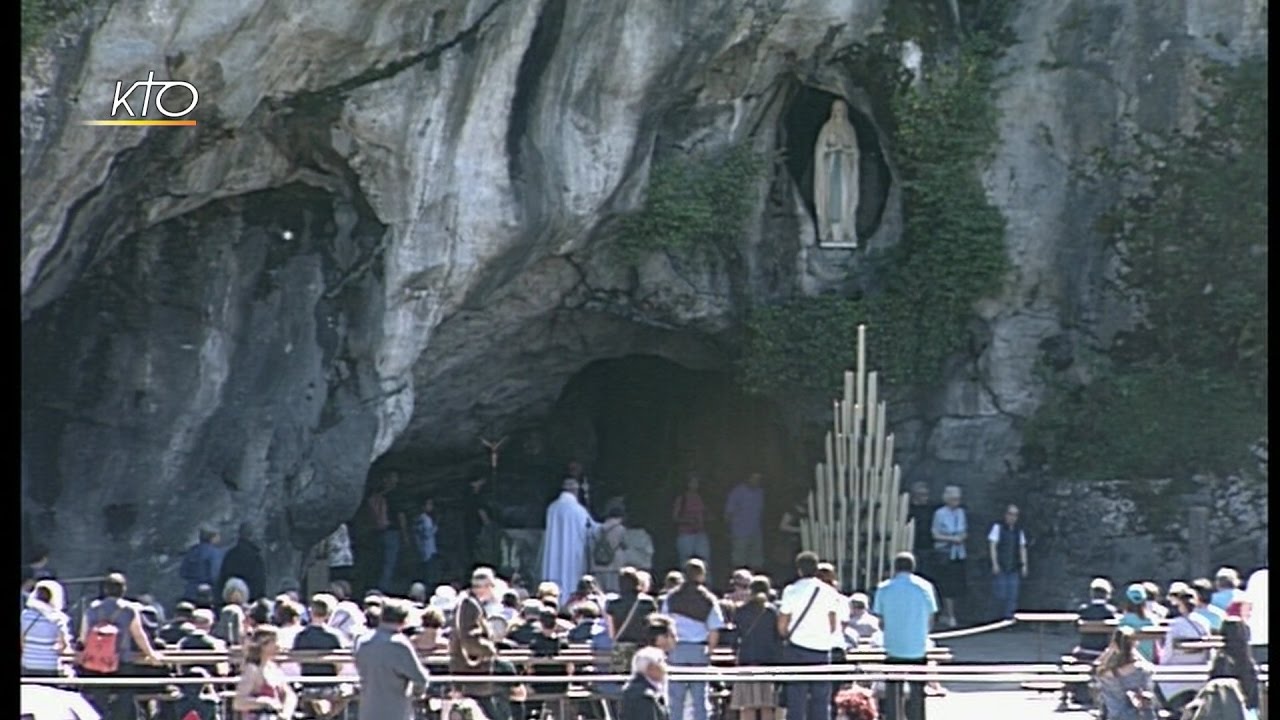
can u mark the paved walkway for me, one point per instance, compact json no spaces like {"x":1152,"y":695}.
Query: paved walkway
{"x":1017,"y":644}
{"x":1000,"y":704}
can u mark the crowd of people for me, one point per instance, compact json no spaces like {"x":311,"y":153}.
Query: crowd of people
{"x":639,"y":631}
{"x":642,"y":626}
{"x":1199,"y":610}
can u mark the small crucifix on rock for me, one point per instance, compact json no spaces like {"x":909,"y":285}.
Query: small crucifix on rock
{"x":494,"y":446}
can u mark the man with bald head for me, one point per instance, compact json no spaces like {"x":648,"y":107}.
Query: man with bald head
{"x":564,"y":544}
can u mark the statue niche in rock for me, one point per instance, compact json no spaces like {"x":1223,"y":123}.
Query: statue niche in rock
{"x":835,"y":180}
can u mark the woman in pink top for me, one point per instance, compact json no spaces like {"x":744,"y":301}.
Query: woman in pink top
{"x":263,"y":691}
{"x":689,"y":514}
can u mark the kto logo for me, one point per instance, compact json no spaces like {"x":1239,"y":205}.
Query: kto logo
{"x":122,"y":107}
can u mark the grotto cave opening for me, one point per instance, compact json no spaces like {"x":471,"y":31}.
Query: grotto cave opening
{"x":808,"y":110}
{"x":639,"y":423}
{"x":653,"y":421}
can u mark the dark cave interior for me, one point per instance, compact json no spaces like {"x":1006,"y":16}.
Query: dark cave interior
{"x":639,"y":424}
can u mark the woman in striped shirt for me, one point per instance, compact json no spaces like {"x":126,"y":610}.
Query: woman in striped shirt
{"x":45,"y":630}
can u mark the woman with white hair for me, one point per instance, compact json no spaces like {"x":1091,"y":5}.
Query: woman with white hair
{"x":45,"y":630}
{"x":231,"y":620}
{"x":950,"y":529}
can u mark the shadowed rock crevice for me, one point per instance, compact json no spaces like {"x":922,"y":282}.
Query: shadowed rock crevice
{"x":640,"y":422}
{"x":201,"y":364}
{"x":533,"y":66}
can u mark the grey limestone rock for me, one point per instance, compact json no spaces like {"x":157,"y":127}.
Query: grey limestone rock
{"x":392,"y":231}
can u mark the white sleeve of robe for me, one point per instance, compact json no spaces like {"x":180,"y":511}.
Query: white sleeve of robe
{"x":564,"y":544}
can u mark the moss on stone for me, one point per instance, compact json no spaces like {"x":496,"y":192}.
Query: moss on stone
{"x":694,"y":203}
{"x":1186,"y":392}
{"x":951,"y":255}
{"x":40,"y":16}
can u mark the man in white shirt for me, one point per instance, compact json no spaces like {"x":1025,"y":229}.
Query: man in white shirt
{"x":807,"y":621}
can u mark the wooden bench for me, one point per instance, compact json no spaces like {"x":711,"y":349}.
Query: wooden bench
{"x":1107,"y":627}
{"x":572,"y":697}
{"x":1047,"y":617}
{"x":517,"y":657}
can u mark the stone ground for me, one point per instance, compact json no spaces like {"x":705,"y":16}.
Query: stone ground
{"x":987,"y":700}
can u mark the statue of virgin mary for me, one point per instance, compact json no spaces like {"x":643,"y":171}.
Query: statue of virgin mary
{"x":835,"y":179}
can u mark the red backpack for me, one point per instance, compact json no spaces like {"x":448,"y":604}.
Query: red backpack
{"x":101,"y":652}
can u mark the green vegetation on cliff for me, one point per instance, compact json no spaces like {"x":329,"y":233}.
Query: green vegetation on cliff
{"x":693,"y":202}
{"x":1186,"y":392}
{"x":39,"y":16}
{"x":951,"y":254}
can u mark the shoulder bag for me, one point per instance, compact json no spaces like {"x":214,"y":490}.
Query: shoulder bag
{"x":623,"y":652}
{"x":742,"y":638}
{"x":794,"y":626}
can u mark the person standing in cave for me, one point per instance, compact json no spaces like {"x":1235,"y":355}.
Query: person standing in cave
{"x":425,"y":529}
{"x":244,"y":560}
{"x":339,"y":556}
{"x":477,"y":519}
{"x":689,"y":514}
{"x":577,"y":473}
{"x":40,"y":569}
{"x":743,"y":511}
{"x":201,"y":563}
{"x":389,"y":523}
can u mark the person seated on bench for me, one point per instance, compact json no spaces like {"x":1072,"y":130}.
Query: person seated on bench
{"x":525,"y":628}
{"x":179,"y":627}
{"x":1135,"y":616}
{"x":200,"y":637}
{"x":1091,"y":645}
{"x":548,"y":643}
{"x":428,"y":635}
{"x":861,"y":625}
{"x":1125,"y":680}
{"x":263,"y":687}
{"x":586,"y":621}
{"x":1212,"y":614}
{"x":1185,"y":626}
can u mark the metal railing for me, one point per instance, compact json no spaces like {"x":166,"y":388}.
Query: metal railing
{"x":999,"y":674}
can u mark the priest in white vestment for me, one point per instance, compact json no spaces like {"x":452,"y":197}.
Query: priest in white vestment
{"x":564,"y":544}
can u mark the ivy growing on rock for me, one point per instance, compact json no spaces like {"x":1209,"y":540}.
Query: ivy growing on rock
{"x":694,"y":203}
{"x":951,"y":254}
{"x":1187,"y":391}
{"x":39,"y":16}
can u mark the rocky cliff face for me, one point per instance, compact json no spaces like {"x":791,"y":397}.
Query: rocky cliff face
{"x":392,"y":230}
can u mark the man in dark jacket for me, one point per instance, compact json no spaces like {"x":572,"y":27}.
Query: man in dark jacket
{"x":644,"y":696}
{"x":244,"y":560}
{"x":200,"y":564}
{"x":1092,"y":646}
{"x":179,"y":627}
{"x":472,"y":650}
